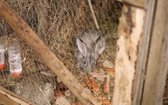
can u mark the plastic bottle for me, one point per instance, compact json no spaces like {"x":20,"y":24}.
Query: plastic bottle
{"x":14,"y":59}
{"x":2,"y":59}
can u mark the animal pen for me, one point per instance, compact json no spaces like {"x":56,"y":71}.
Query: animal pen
{"x":131,"y":71}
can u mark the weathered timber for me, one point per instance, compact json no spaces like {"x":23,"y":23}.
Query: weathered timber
{"x":129,"y":31}
{"x":156,"y":70}
{"x":143,"y":53}
{"x":9,"y":98}
{"x":136,"y":3}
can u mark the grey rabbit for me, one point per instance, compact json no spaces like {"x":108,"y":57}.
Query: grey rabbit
{"x":90,"y":44}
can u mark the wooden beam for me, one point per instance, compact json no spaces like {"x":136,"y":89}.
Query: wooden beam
{"x":129,"y":31}
{"x":143,"y":53}
{"x":9,"y":98}
{"x":7,"y":101}
{"x":136,"y":3}
{"x":45,"y":54}
{"x":157,"y":67}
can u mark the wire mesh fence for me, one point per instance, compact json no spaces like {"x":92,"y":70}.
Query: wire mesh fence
{"x":57,"y":23}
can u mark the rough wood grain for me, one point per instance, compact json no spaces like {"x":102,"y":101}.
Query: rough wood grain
{"x":45,"y":54}
{"x":157,"y":67}
{"x":143,"y":53}
{"x":9,"y":98}
{"x":129,"y":31}
{"x":137,"y":3}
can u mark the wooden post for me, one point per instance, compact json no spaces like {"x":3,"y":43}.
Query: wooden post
{"x":45,"y":54}
{"x":143,"y":53}
{"x":130,"y":29}
{"x":156,"y":69}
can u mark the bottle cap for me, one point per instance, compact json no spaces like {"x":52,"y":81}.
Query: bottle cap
{"x":15,"y":74}
{"x":2,"y":66}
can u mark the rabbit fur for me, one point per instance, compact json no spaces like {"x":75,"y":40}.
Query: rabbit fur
{"x":90,"y":44}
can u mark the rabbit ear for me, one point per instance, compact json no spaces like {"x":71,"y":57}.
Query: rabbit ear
{"x":100,"y":45}
{"x":81,"y":46}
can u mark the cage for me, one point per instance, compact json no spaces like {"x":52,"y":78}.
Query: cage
{"x":57,"y":23}
{"x":139,"y":67}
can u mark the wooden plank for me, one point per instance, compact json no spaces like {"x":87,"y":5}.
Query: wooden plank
{"x":129,"y":31}
{"x":7,"y":101}
{"x":45,"y":54}
{"x":136,"y":3}
{"x":9,"y":98}
{"x":158,"y":57}
{"x":142,"y":53}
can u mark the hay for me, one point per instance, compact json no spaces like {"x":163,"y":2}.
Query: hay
{"x":57,"y":22}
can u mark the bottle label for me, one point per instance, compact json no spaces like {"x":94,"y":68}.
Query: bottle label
{"x":2,"y":66}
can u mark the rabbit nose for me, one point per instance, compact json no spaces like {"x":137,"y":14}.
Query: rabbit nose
{"x":89,"y":69}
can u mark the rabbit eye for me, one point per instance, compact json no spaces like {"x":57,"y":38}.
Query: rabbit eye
{"x":85,"y":63}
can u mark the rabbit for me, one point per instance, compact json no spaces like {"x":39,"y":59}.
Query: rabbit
{"x":90,"y":44}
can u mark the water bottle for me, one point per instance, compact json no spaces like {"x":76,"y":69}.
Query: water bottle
{"x":14,"y":59}
{"x":2,"y":59}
